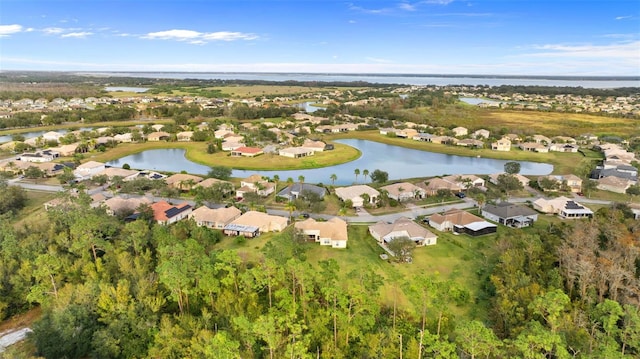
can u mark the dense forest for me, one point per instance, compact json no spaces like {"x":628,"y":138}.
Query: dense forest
{"x":109,"y":289}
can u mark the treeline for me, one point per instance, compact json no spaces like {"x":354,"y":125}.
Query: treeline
{"x":114,"y":290}
{"x":562,"y":90}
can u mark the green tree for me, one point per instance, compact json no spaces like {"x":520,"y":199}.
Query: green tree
{"x":365,"y":174}
{"x":379,"y":176}
{"x":476,"y":340}
{"x":357,"y":173}
{"x":220,"y":172}
{"x":402,"y":248}
{"x":333,"y":178}
{"x":512,"y":167}
{"x":34,"y":172}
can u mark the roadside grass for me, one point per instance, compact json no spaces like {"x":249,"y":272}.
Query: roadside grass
{"x":196,"y":152}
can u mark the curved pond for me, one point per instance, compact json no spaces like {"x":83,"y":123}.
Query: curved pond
{"x":399,"y":162}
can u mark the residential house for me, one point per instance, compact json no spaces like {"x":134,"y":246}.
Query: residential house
{"x":219,"y":134}
{"x":509,"y":214}
{"x":39,"y":156}
{"x":470,"y":142}
{"x":209,"y":182}
{"x":157,"y":127}
{"x":436,"y":184}
{"x":295,"y":190}
{"x":315,"y":146}
{"x":354,"y":193}
{"x":614,"y":184}
{"x":52,"y":136}
{"x":541,"y":139}
{"x":570,"y":182}
{"x":406,"y":133}
{"x":124,"y":137}
{"x":119,"y":205}
{"x":184,"y":136}
{"x":158,"y":136}
{"x":246,"y":152}
{"x":330,"y":233}
{"x":444,"y":140}
{"x":252,"y":223}
{"x":404,"y":191}
{"x":215,"y":218}
{"x":296,"y":152}
{"x":533,"y":147}
{"x":424,"y":137}
{"x":125,"y":174}
{"x":385,"y":232}
{"x":166,"y":213}
{"x":460,"y":131}
{"x":459,"y":221}
{"x":230,"y":146}
{"x":255,"y":184}
{"x":89,"y":169}
{"x":503,"y":144}
{"x":466,"y":181}
{"x":563,"y":147}
{"x":493,"y":178}
{"x":183,"y":181}
{"x":563,"y":207}
{"x":481,"y":133}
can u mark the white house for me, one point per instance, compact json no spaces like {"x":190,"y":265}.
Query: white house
{"x":88,"y":169}
{"x":354,"y":193}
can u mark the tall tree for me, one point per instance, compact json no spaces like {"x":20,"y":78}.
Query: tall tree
{"x":357,"y":173}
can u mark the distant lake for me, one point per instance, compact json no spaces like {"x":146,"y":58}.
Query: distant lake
{"x":27,"y":135}
{"x":308,"y":106}
{"x":476,"y":100}
{"x":399,"y":162}
{"x":407,"y":79}
{"x":126,"y":89}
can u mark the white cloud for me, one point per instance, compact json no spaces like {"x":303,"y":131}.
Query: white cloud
{"x":623,"y":17}
{"x":626,"y":50}
{"x":77,"y":35}
{"x":6,"y":30}
{"x":439,"y":2}
{"x":53,"y":30}
{"x":198,"y":38}
{"x":406,"y":6}
{"x":378,"y":60}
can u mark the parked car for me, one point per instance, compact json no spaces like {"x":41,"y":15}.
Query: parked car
{"x":461,"y":195}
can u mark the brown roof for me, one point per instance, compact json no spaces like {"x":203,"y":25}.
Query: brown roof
{"x":455,"y":216}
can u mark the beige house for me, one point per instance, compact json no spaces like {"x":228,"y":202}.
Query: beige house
{"x":214,"y":218}
{"x":493,"y":178}
{"x":296,"y":152}
{"x":184,"y":136}
{"x":481,"y":133}
{"x":465,"y":181}
{"x":385,"y":232}
{"x":614,"y":184}
{"x":315,"y":146}
{"x":125,"y":174}
{"x":88,"y":169}
{"x":563,"y":207}
{"x":158,"y":136}
{"x":459,"y":221}
{"x":117,"y":205}
{"x":252,"y":223}
{"x":404,"y":191}
{"x":460,"y":131}
{"x":470,"y":142}
{"x":354,"y":193}
{"x":255,"y":184}
{"x":533,"y":147}
{"x":572,"y":182}
{"x":503,"y":144}
{"x":183,"y":181}
{"x":330,"y":233}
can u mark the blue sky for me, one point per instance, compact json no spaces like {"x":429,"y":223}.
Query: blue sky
{"x":505,"y":37}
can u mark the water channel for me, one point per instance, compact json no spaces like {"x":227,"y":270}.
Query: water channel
{"x":399,"y":162}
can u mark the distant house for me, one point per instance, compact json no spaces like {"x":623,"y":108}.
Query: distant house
{"x":52,"y":136}
{"x":614,"y":184}
{"x":459,"y":221}
{"x":210,"y":182}
{"x":465,"y":181}
{"x":481,"y":133}
{"x":89,"y":169}
{"x":296,"y":152}
{"x":246,"y":152}
{"x":563,"y":207}
{"x":541,"y":139}
{"x":404,"y":191}
{"x":470,"y":142}
{"x":493,"y":178}
{"x":183,"y":181}
{"x":315,"y":146}
{"x":255,"y":184}
{"x":563,"y":147}
{"x":184,"y":136}
{"x":39,"y":156}
{"x":572,"y":182}
{"x":295,"y":190}
{"x":533,"y":147}
{"x":230,"y":146}
{"x":117,"y":205}
{"x":125,"y":137}
{"x":354,"y":193}
{"x":166,"y":213}
{"x":330,"y":233}
{"x":503,"y":144}
{"x":125,"y":174}
{"x":509,"y":214}
{"x":385,"y":232}
{"x":424,"y":137}
{"x":460,"y":131}
{"x":252,"y":223}
{"x":158,"y":136}
{"x":214,"y":218}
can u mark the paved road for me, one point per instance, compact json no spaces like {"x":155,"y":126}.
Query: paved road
{"x":12,"y":337}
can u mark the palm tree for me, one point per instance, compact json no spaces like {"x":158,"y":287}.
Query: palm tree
{"x":301,"y":180}
{"x":357,"y":173}
{"x":290,"y":206}
{"x":365,"y":174}
{"x":333,"y":178}
{"x":276,"y":179}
